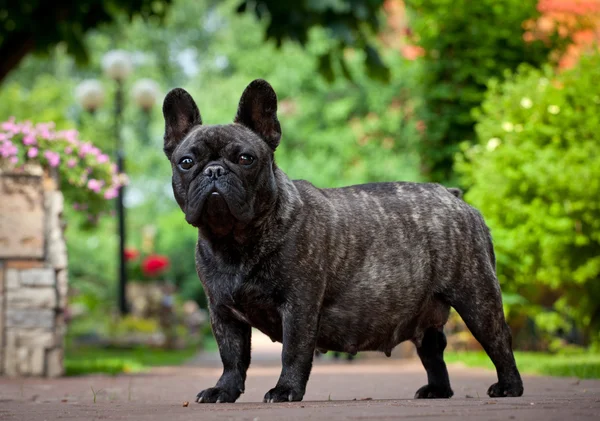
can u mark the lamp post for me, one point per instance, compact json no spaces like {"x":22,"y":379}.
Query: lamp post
{"x":117,"y":66}
{"x":145,"y":93}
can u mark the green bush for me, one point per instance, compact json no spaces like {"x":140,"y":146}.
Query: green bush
{"x":535,"y":175}
{"x":466,"y":43}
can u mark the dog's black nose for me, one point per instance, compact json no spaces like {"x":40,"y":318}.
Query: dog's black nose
{"x":214,"y":171}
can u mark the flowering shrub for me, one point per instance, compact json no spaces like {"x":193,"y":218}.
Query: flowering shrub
{"x":151,"y":267}
{"x":88,"y":178}
{"x":535,"y":176}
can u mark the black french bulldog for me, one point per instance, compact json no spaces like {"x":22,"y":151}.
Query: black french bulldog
{"x":348,"y":269}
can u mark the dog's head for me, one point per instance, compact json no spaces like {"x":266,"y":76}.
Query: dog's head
{"x":223,"y":175}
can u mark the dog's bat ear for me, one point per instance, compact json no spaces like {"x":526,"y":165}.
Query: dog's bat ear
{"x":456,"y":192}
{"x":257,"y":110}
{"x":181,"y":114}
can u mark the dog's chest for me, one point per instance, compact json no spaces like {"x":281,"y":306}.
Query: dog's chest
{"x":259,"y":307}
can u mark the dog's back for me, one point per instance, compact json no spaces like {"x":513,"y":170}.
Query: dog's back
{"x":394,"y":250}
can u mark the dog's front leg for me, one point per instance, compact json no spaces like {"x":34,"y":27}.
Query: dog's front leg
{"x":300,"y":328}
{"x":233,"y":337}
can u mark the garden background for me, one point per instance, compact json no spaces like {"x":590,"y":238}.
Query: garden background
{"x":500,"y":98}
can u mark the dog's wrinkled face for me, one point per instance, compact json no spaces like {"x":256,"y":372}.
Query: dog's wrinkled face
{"x":223,"y":176}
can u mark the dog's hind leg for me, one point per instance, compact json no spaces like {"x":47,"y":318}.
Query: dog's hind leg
{"x":431,"y":353}
{"x":479,"y":303}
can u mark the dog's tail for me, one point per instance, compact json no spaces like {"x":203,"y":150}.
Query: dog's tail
{"x":456,"y":192}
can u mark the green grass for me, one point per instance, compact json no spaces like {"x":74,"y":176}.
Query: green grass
{"x":583,"y":365}
{"x":87,"y":360}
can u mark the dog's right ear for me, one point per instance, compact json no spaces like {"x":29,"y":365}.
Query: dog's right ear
{"x":181,"y":115}
{"x":257,"y":110}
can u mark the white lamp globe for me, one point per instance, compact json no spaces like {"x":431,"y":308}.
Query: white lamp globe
{"x":90,"y":94}
{"x":145,"y":92}
{"x":117,"y":64}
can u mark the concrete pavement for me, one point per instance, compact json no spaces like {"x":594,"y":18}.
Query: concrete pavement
{"x":379,"y":389}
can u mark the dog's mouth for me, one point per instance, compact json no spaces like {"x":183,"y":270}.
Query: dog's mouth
{"x":217,"y":205}
{"x":208,"y":206}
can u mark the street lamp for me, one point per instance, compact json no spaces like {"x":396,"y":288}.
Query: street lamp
{"x":145,"y":92}
{"x":117,"y":66}
{"x":90,"y":94}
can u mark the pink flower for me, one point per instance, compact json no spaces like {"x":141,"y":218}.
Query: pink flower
{"x":71,"y":162}
{"x":45,"y":134}
{"x":29,"y":139}
{"x":68,"y":150}
{"x":85,"y":149}
{"x":10,"y":126}
{"x":32,"y":152}
{"x":102,"y":158}
{"x":111,"y":193}
{"x":70,"y":136}
{"x":95,"y":185}
{"x":53,"y":158}
{"x":44,"y":130}
{"x":14,"y":160}
{"x":8,"y":149}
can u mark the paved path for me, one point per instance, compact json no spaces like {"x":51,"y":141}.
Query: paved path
{"x":379,"y":389}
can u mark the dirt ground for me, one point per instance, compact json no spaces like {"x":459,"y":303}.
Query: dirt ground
{"x":377,"y":389}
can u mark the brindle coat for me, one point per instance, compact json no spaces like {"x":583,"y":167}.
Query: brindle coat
{"x":349,"y":269}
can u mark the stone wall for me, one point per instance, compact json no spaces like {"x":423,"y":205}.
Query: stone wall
{"x":33,"y":275}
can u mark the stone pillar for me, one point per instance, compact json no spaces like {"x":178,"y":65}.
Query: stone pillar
{"x":33,"y":274}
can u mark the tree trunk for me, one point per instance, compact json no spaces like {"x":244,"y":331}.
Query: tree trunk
{"x":12,"y":52}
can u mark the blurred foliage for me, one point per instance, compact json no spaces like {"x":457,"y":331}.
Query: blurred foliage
{"x":466,"y":43}
{"x":80,"y":360}
{"x":583,"y":365}
{"x":32,"y":101}
{"x":38,"y":25}
{"x":348,"y":23}
{"x":575,"y":23}
{"x":535,"y":175}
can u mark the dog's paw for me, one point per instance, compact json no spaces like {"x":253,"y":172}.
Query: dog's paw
{"x":215,"y":395}
{"x":283,"y":394}
{"x":434,"y":392}
{"x":498,"y":390}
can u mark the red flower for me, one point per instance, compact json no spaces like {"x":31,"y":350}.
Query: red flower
{"x":131,"y":254}
{"x":155,"y":265}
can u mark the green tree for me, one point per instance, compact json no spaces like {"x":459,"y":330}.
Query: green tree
{"x":465,"y":43}
{"x":349,"y":23}
{"x":37,"y":25}
{"x":535,"y":175}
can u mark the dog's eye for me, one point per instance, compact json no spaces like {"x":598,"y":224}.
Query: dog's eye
{"x":186,"y":163}
{"x":245,"y":159}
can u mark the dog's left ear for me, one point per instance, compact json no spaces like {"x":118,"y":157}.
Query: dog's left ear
{"x":257,"y":110}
